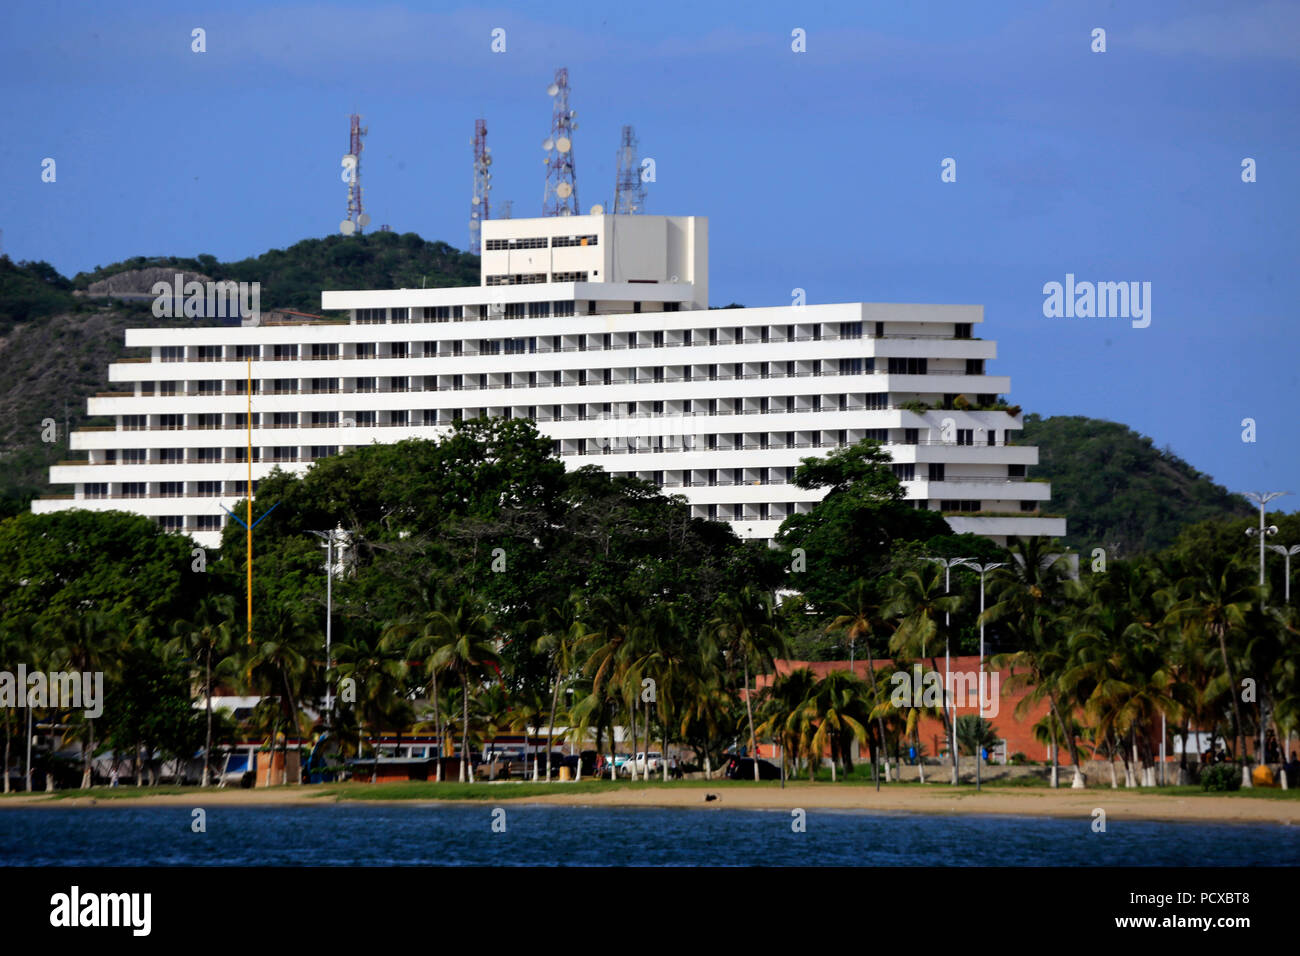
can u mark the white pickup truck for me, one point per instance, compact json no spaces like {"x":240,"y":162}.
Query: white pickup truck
{"x":638,"y":764}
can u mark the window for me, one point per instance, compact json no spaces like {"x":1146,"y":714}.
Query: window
{"x":539,"y":310}
{"x":672,"y":306}
{"x":324,"y":384}
{"x":560,"y":242}
{"x":208,"y":489}
{"x":569,"y":277}
{"x":908,"y":366}
{"x":851,"y":366}
{"x":1015,"y":471}
{"x":516,"y":310}
{"x":399,"y":418}
{"x":171,"y":456}
{"x":961,"y":330}
{"x":936,"y":474}
{"x":171,"y":522}
{"x":172,"y":353}
{"x":370,"y":316}
{"x":500,"y":245}
{"x":209,"y":353}
{"x":246,"y":352}
{"x":399,"y":315}
{"x":399,"y":383}
{"x":974,"y":366}
{"x":133,"y":489}
{"x":96,"y":490}
{"x":365,"y":419}
{"x":1029,"y":506}
{"x":904,"y":472}
{"x":209,"y":523}
{"x":531,"y":278}
{"x":950,"y":504}
{"x":365,"y":385}
{"x":850,"y":330}
{"x":166,"y":388}
{"x":324,"y":451}
{"x":965,"y":436}
{"x":561,"y":309}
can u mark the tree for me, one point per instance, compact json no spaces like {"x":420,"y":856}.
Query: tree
{"x":744,"y":624}
{"x":859,"y":616}
{"x":210,"y":632}
{"x":467,"y":652}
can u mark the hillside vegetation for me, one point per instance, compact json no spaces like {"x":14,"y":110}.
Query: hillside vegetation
{"x":1117,"y":490}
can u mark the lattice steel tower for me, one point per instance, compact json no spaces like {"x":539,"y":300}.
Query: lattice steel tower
{"x":629,"y":190}
{"x":561,"y":197}
{"x":357,"y":219}
{"x":478,"y":210}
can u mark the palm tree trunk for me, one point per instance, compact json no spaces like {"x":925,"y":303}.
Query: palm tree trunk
{"x":550,"y":729}
{"x":916,"y":742}
{"x":86,"y":777}
{"x":880,"y":721}
{"x":749,"y":710}
{"x":207,"y":742}
{"x":466,"y":767}
{"x":1237,"y":730}
{"x":6,"y":784}
{"x":437,"y":724}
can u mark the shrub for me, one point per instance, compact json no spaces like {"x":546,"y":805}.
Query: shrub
{"x":1221,"y":777}
{"x":1018,"y":759}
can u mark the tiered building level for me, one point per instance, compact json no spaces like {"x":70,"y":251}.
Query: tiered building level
{"x":597,"y":328}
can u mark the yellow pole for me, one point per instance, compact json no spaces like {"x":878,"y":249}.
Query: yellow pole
{"x":250,"y":501}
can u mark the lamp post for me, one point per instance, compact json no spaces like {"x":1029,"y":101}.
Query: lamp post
{"x":982,"y":569}
{"x":948,"y":565}
{"x":1286,"y":553}
{"x":328,"y":537}
{"x":1261,"y":498}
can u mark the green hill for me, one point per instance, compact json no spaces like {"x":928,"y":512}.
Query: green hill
{"x":1116,"y":489}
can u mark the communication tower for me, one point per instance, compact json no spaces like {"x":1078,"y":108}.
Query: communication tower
{"x":561,"y":197}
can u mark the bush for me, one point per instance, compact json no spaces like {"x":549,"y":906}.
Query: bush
{"x":1018,"y":759}
{"x":1221,"y":777}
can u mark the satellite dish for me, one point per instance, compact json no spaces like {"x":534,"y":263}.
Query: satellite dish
{"x":548,"y":144}
{"x":552,"y":90}
{"x":346,"y":227}
{"x":364,"y":219}
{"x":349,"y":159}
{"x":597,"y":210}
{"x":563,"y":144}
{"x":564,"y":190}
{"x":487,"y":160}
{"x":573,"y":114}
{"x":574,"y":125}
{"x":475,"y":201}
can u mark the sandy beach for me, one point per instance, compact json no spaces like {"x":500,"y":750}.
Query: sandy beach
{"x":938,"y":798}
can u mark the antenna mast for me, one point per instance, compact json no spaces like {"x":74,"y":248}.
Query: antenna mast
{"x":561,"y":197}
{"x":478,"y":210}
{"x":357,"y":219}
{"x":629,"y":191}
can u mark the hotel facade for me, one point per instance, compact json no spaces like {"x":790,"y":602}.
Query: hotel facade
{"x":599,"y":329}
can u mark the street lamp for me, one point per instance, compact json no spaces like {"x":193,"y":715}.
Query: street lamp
{"x":948,"y":565}
{"x":329,"y":538}
{"x":1261,"y":498}
{"x":982,"y":569}
{"x":1286,"y":553}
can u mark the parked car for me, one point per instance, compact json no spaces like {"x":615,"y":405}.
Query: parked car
{"x":638,"y":764}
{"x":742,"y":768}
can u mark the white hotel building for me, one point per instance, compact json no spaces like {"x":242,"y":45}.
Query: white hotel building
{"x":598,"y":328}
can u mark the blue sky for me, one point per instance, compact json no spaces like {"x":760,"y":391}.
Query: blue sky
{"x":818,"y":170}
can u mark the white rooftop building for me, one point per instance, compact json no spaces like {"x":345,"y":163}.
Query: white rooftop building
{"x":598,"y":328}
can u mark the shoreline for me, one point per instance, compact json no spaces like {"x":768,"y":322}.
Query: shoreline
{"x":941,"y":800}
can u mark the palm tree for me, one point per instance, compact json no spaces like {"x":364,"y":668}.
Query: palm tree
{"x":1219,"y":605}
{"x":1029,"y":602}
{"x":85,"y":644}
{"x":919,"y":602}
{"x":745,"y":624}
{"x":276,"y":666}
{"x":467,"y":652}
{"x":376,"y":664}
{"x":209,"y":632}
{"x":564,"y":634}
{"x":859,"y":616}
